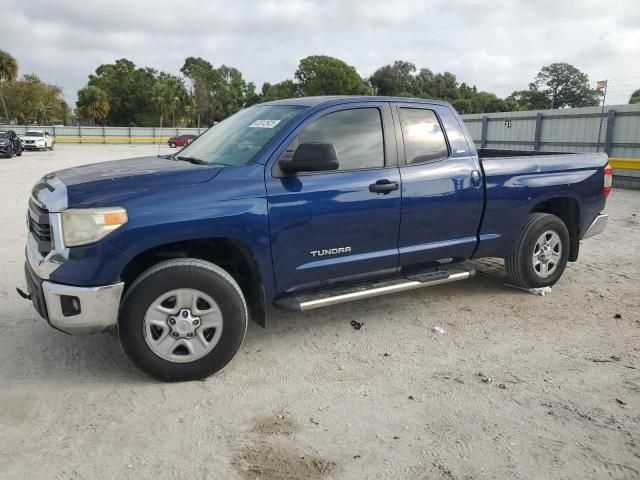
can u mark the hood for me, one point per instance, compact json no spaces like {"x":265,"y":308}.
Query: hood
{"x":99,"y":184}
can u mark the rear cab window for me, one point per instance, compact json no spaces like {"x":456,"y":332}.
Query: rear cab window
{"x":424,"y":139}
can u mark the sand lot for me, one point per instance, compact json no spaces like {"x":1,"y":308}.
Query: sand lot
{"x":310,"y":397}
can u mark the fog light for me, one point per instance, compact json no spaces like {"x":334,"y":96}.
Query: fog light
{"x":70,"y":305}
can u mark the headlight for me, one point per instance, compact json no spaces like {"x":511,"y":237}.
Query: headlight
{"x":81,"y":226}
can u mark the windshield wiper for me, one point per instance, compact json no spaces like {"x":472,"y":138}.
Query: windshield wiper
{"x":195,"y":160}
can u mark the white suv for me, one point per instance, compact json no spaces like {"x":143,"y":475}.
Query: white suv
{"x":37,"y":140}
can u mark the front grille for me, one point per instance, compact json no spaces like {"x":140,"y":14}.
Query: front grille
{"x":39,"y":226}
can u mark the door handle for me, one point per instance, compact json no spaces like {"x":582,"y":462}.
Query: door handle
{"x":476,"y":179}
{"x":383,"y":186}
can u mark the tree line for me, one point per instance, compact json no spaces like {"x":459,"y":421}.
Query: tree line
{"x":123,"y":94}
{"x":29,"y":99}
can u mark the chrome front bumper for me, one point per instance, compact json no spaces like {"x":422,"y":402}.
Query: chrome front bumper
{"x":71,"y":309}
{"x":597,"y":226}
{"x":97,"y":307}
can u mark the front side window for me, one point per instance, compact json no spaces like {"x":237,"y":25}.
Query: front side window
{"x":423,"y":137}
{"x":237,"y":139}
{"x":355,"y":134}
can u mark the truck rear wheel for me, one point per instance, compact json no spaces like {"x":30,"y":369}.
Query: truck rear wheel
{"x":182,"y":319}
{"x":541,"y":254}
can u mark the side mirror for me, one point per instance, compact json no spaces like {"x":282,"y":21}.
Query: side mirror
{"x":311,"y":157}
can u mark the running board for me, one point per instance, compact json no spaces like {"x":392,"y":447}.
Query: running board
{"x":298,"y":302}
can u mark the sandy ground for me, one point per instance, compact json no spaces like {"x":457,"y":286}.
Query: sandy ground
{"x":310,"y":397}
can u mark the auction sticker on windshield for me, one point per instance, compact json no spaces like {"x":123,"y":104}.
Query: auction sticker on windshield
{"x":264,"y":124}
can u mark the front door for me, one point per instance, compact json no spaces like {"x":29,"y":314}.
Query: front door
{"x":334,"y":226}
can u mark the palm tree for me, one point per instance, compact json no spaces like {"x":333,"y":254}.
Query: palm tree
{"x":8,"y":73}
{"x":159,"y":100}
{"x":93,"y":103}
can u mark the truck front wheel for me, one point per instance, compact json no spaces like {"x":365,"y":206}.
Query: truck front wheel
{"x":541,"y":254}
{"x":182,"y":319}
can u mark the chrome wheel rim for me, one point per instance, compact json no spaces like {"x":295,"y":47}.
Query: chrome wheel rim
{"x":183,"y":325}
{"x":547,"y":253}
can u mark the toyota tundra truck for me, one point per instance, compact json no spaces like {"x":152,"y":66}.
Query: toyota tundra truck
{"x":299,"y":204}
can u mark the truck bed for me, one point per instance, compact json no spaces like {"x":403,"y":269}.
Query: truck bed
{"x":518,"y":182}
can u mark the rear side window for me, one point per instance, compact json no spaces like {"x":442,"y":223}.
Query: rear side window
{"x":355,"y":134}
{"x":423,"y":137}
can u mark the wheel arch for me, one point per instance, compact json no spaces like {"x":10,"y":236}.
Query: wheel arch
{"x":567,"y":209}
{"x":233,"y":255}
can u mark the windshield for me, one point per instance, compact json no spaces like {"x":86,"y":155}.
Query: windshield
{"x":3,"y":135}
{"x":34,"y":134}
{"x":237,"y":139}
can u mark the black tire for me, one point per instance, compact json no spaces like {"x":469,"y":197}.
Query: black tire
{"x":172,"y":145}
{"x":182,"y":273}
{"x":519,"y":266}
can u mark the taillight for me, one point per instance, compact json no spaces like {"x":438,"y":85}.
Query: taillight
{"x":608,"y":180}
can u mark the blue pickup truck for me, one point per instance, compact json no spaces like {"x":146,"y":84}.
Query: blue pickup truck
{"x":299,"y":204}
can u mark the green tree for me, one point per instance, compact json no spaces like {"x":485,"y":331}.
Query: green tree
{"x":8,"y":73}
{"x":128,"y":89}
{"x":216,"y":92}
{"x":280,"y":90}
{"x":169,"y":97}
{"x":635,"y":97}
{"x":139,"y":96}
{"x":396,"y":80}
{"x":32,"y":100}
{"x":323,"y":75}
{"x":400,"y":79}
{"x":203,"y":77}
{"x":440,"y":86}
{"x":93,"y":104}
{"x":531,"y":99}
{"x":565,"y":86}
{"x":233,"y":91}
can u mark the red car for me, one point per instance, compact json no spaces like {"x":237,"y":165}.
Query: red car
{"x":181,"y":141}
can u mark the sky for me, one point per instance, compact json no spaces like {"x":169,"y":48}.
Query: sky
{"x":497,"y":45}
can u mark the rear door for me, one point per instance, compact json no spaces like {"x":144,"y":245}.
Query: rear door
{"x":442,"y":193}
{"x":334,"y":226}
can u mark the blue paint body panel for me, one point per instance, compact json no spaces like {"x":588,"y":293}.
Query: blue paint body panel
{"x":440,"y":210}
{"x":515,"y":185}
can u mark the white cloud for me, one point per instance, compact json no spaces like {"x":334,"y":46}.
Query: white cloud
{"x":498,"y":46}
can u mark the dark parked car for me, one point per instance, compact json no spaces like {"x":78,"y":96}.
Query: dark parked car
{"x":10,"y":144}
{"x":181,"y":141}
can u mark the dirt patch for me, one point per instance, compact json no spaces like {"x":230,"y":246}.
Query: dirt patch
{"x":278,"y":424}
{"x":272,"y":453}
{"x":267,"y":461}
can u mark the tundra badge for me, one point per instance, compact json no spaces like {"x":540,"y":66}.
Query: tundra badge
{"x":330,"y":251}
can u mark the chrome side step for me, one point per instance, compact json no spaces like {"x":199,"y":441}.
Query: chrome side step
{"x":298,"y":302}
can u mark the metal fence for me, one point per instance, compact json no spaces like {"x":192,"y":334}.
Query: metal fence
{"x":615,"y":131}
{"x":64,"y":134}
